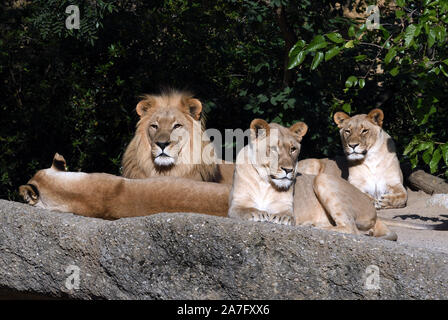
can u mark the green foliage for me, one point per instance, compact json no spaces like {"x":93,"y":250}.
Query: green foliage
{"x":407,"y":59}
{"x":75,"y":91}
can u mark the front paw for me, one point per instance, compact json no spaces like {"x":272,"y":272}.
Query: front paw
{"x":259,"y":216}
{"x":378,"y":203}
{"x":282,"y":218}
{"x":384,"y":202}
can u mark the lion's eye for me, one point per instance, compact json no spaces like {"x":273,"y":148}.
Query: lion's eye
{"x":154,"y":126}
{"x":177,"y":125}
{"x":364,"y":131}
{"x":347,"y":131}
{"x":293,"y":149}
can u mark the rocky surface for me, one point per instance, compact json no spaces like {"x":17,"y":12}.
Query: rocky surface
{"x":192,"y":256}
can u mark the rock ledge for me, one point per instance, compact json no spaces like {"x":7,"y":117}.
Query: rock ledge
{"x":192,"y":256}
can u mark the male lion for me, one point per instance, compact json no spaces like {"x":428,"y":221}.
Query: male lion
{"x":106,"y":196}
{"x":168,"y":141}
{"x":373,"y":165}
{"x":265,"y":187}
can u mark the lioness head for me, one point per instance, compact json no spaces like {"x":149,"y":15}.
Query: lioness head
{"x":359,"y":133}
{"x":168,"y":121}
{"x":31,"y":192}
{"x":275,"y":150}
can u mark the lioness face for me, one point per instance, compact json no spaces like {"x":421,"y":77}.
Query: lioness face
{"x":170,"y":131}
{"x":277,"y":151}
{"x":359,"y":133}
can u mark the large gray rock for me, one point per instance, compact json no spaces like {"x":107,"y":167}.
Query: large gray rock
{"x":192,"y":256}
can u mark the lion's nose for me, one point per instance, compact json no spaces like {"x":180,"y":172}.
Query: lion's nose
{"x":287,"y":170}
{"x":162,"y":145}
{"x":353,"y":145}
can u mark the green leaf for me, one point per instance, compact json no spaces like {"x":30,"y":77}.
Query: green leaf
{"x":394,"y":71}
{"x":296,"y":48}
{"x":410,"y":146}
{"x":414,"y":161}
{"x":433,"y":165}
{"x":444,"y":149}
{"x":317,"y":43}
{"x":409,"y":34}
{"x":297,"y":60}
{"x":331,"y":53}
{"x":399,"y":13}
{"x":361,"y":57}
{"x":443,"y":70}
{"x":423,"y":146}
{"x":390,"y":55}
{"x":335,"y":37}
{"x":427,"y":155}
{"x":317,"y":59}
{"x":431,"y":37}
{"x":362,"y":83}
{"x":401,"y":3}
{"x":349,"y":44}
{"x":351,"y":81}
{"x":347,"y":108}
{"x":351,"y":31}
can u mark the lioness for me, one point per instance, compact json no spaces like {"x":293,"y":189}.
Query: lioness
{"x":263,"y":190}
{"x":102,"y":195}
{"x":265,"y":187}
{"x":168,"y":141}
{"x":373,"y":166}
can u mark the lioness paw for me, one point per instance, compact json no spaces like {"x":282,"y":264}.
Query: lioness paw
{"x":285,"y":219}
{"x":260,"y":216}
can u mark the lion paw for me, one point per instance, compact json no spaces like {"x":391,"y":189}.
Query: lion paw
{"x":285,"y":219}
{"x":260,"y":216}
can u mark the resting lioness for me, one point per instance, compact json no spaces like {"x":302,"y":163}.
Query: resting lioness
{"x":373,"y":166}
{"x":106,"y":196}
{"x":263,"y":190}
{"x":265,"y":187}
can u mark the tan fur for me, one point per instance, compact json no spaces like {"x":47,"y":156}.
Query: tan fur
{"x":329,"y":202}
{"x":163,"y":120}
{"x":321,"y":198}
{"x":333,"y":168}
{"x":263,"y":191}
{"x":106,"y":196}
{"x":372,"y":160}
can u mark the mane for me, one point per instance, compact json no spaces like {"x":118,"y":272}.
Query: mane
{"x":138,"y":161}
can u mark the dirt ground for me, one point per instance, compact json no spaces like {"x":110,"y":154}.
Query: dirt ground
{"x":420,"y":210}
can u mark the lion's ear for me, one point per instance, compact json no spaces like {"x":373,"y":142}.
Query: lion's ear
{"x":340,"y":117}
{"x":299,"y":129}
{"x":143,"y":106}
{"x":194,"y":108}
{"x":377,"y":116}
{"x":29,"y":193}
{"x":259,"y":127}
{"x":59,"y":163}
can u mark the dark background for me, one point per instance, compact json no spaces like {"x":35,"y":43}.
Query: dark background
{"x":75,"y":91}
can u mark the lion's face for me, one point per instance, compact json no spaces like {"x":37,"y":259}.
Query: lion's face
{"x":170,"y":123}
{"x":276,"y":151}
{"x":168,"y":133}
{"x":359,"y":133}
